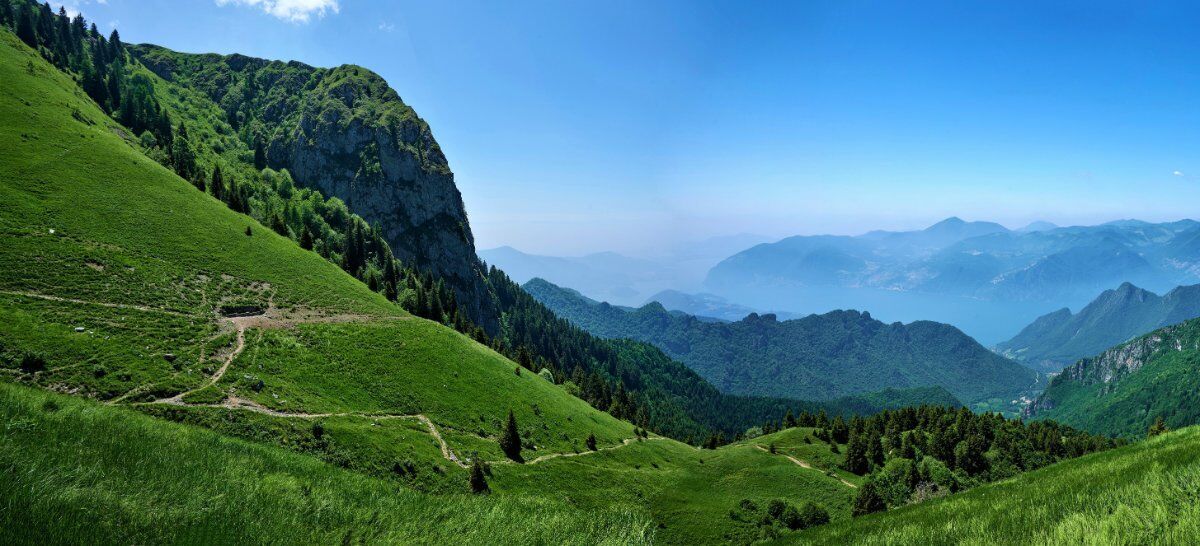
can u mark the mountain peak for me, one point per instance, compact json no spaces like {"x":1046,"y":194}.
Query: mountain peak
{"x":951,"y":222}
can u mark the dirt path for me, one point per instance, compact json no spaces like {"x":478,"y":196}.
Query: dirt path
{"x":235,"y":403}
{"x":805,"y":464}
{"x":433,"y":431}
{"x":536,"y":460}
{"x":98,"y":303}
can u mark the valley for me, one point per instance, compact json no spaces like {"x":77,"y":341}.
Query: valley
{"x":241,"y":302}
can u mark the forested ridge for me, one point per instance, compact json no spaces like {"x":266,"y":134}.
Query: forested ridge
{"x":819,"y":356}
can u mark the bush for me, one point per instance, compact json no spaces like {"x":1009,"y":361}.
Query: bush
{"x":591,"y":442}
{"x":32,"y":362}
{"x":812,"y":515}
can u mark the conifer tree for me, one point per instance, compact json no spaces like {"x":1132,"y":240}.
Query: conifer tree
{"x":217,"y":185}
{"x":874,"y":450}
{"x":25,"y":26}
{"x":856,"y":456}
{"x":6,"y":12}
{"x":510,"y":439}
{"x":868,"y":501}
{"x":260,"y":155}
{"x":306,"y":239}
{"x":477,"y":480}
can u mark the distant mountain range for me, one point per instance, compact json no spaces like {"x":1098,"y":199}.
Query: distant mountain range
{"x":816,"y":357}
{"x":980,"y":276}
{"x":708,"y":306}
{"x":1058,"y":339}
{"x":1123,"y":390}
{"x":622,"y":279}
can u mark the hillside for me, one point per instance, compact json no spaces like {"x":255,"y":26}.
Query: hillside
{"x":344,"y":132}
{"x":123,"y":283}
{"x":1123,"y":390}
{"x":122,"y":476}
{"x":183,"y":129}
{"x":979,"y":276}
{"x":1060,"y":338}
{"x":1130,"y":495}
{"x":816,"y":357}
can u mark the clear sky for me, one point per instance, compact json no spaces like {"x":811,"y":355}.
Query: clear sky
{"x":618,"y":125}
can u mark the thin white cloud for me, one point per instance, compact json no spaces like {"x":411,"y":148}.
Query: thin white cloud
{"x":386,"y":26}
{"x":292,"y":11}
{"x":1178,"y":173}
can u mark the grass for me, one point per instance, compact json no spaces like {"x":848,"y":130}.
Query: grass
{"x":118,"y":477}
{"x":94,"y":235}
{"x":800,"y":443}
{"x":1139,"y":494}
{"x":688,"y":491}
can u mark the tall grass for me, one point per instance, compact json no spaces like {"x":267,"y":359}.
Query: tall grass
{"x":1144,"y":493}
{"x":77,"y":472}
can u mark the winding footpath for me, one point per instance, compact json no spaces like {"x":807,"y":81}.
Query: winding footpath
{"x":804,"y":464}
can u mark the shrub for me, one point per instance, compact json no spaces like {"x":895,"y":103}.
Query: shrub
{"x":591,"y":442}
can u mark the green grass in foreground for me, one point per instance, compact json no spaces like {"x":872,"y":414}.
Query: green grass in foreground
{"x":690,"y":492}
{"x":1144,"y":493}
{"x":77,"y":472}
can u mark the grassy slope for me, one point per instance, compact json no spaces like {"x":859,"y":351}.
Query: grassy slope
{"x":1137,"y":494}
{"x":126,"y":232}
{"x":115,"y":477}
{"x":690,"y":492}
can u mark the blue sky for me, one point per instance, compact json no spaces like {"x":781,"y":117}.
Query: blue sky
{"x":583,"y":126}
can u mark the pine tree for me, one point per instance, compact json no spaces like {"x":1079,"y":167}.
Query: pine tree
{"x":789,"y":420}
{"x":477,"y":480}
{"x":868,"y":501}
{"x":856,"y":456}
{"x":306,"y":239}
{"x":260,"y":155}
{"x":115,"y":48}
{"x":25,"y":26}
{"x":510,"y":439}
{"x":217,"y":185}
{"x":591,"y":442}
{"x":874,"y":450}
{"x":6,"y":12}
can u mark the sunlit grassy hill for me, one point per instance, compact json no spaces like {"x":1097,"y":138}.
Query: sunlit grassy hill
{"x":1143,"y":493}
{"x":122,"y":283}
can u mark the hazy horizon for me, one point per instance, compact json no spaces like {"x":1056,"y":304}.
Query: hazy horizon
{"x":574,"y":128}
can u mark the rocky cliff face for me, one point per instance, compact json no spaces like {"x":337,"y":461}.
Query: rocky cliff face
{"x":1112,"y":366}
{"x":345,"y":132}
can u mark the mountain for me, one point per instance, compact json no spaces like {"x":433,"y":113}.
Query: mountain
{"x":1123,"y":390}
{"x":979,"y":276}
{"x":1058,"y":339}
{"x":704,"y":306}
{"x":815,"y":357}
{"x":307,"y":395}
{"x":606,"y":274}
{"x":344,"y":132}
{"x":194,"y":349}
{"x":621,"y":279}
{"x":1039,"y":225}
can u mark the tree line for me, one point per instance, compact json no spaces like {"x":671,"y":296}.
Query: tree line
{"x":911,"y":454}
